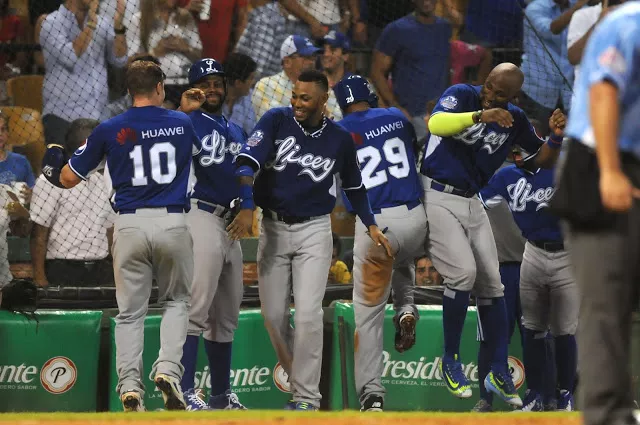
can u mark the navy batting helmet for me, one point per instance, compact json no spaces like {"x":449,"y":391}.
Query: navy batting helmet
{"x":204,"y":67}
{"x":354,"y":89}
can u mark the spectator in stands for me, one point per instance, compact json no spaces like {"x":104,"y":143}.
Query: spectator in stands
{"x":548,"y":75}
{"x":494,"y":23}
{"x":297,"y":54}
{"x":426,"y":273}
{"x":582,"y":23}
{"x":11,"y":32}
{"x":76,"y":43}
{"x":339,"y":272}
{"x":72,"y":229}
{"x":470,"y":60}
{"x":415,"y":51}
{"x":220,"y":24}
{"x":14,"y":217}
{"x":263,"y":36}
{"x":169,"y":33}
{"x":240,"y":74}
{"x":315,"y":18}
{"x":335,"y":56}
{"x":375,"y":15}
{"x":14,"y":168}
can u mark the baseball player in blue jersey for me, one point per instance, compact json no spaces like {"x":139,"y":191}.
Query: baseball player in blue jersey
{"x":548,"y":292}
{"x":298,"y":152}
{"x":216,"y":292}
{"x":148,"y":153}
{"x":384,"y":141}
{"x":472,"y":130}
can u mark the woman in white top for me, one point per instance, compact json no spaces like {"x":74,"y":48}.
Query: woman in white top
{"x":170,"y":33}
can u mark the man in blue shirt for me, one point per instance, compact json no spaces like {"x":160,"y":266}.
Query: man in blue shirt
{"x":148,"y":153}
{"x":298,"y":152}
{"x":415,"y":51}
{"x":545,"y":62}
{"x":605,"y":117}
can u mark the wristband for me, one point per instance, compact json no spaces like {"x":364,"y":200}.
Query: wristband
{"x":554,"y":141}
{"x":246,"y":197}
{"x":244,"y":171}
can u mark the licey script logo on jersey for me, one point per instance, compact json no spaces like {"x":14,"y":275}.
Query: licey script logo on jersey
{"x":217,"y":146}
{"x":492,"y":141}
{"x":126,"y":134}
{"x":314,"y":166}
{"x":520,"y":193}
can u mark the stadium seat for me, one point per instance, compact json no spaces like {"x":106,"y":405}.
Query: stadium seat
{"x":26,"y":90}
{"x":26,"y":134}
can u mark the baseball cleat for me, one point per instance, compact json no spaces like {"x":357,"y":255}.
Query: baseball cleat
{"x":532,"y":402}
{"x":171,"y":392}
{"x":565,"y":401}
{"x":194,"y":398}
{"x":132,"y":402}
{"x":300,"y":405}
{"x":405,"y":332}
{"x":454,"y":377}
{"x":372,"y":403}
{"x":226,"y":401}
{"x":482,"y":406}
{"x":501,"y":384}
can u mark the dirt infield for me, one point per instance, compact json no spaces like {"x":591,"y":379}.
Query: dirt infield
{"x":292,"y":418}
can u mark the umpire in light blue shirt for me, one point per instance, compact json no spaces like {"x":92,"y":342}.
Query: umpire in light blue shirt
{"x":598,"y":196}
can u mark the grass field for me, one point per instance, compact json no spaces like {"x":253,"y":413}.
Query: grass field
{"x":291,"y":418}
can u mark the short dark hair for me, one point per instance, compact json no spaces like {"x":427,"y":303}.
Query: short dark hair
{"x":422,"y":257}
{"x":239,"y":67}
{"x":142,"y":77}
{"x":73,"y":139}
{"x":313,"y":76}
{"x":149,"y":58}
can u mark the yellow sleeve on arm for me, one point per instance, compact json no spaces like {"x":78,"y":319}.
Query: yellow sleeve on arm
{"x":450,"y":123}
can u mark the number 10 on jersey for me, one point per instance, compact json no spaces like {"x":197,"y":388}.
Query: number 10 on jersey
{"x":159,"y":153}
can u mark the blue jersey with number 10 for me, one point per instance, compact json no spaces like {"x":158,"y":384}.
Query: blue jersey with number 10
{"x":384,"y":140}
{"x":148,"y":151}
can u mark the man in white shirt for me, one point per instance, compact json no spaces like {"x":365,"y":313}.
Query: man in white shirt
{"x":297,"y":54}
{"x":72,"y":229}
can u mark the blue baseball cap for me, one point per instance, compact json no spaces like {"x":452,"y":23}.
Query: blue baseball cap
{"x":297,"y":44}
{"x":337,"y":39}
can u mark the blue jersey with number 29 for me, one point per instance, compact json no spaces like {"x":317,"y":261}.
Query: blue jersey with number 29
{"x":384,"y":141}
{"x":148,"y":152}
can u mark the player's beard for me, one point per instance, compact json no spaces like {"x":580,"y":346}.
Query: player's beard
{"x":214,"y":109}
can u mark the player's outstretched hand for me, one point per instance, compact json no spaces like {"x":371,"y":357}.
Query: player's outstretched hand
{"x":380,"y":239}
{"x":557,"y":122}
{"x":241,"y":225}
{"x":191,"y":100}
{"x":616,"y":191}
{"x":500,"y":116}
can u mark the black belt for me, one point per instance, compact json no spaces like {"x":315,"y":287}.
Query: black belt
{"x":218,"y":210}
{"x":410,"y":205}
{"x":447,"y":188}
{"x":172,"y":209}
{"x":287,"y":219}
{"x":549,"y":246}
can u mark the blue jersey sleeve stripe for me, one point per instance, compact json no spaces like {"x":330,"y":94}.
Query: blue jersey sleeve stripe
{"x":250,"y":157}
{"x":353,"y":188}
{"x":76,"y":172}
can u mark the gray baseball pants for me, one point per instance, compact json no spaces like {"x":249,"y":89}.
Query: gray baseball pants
{"x":295,"y":257}
{"x":151,"y":244}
